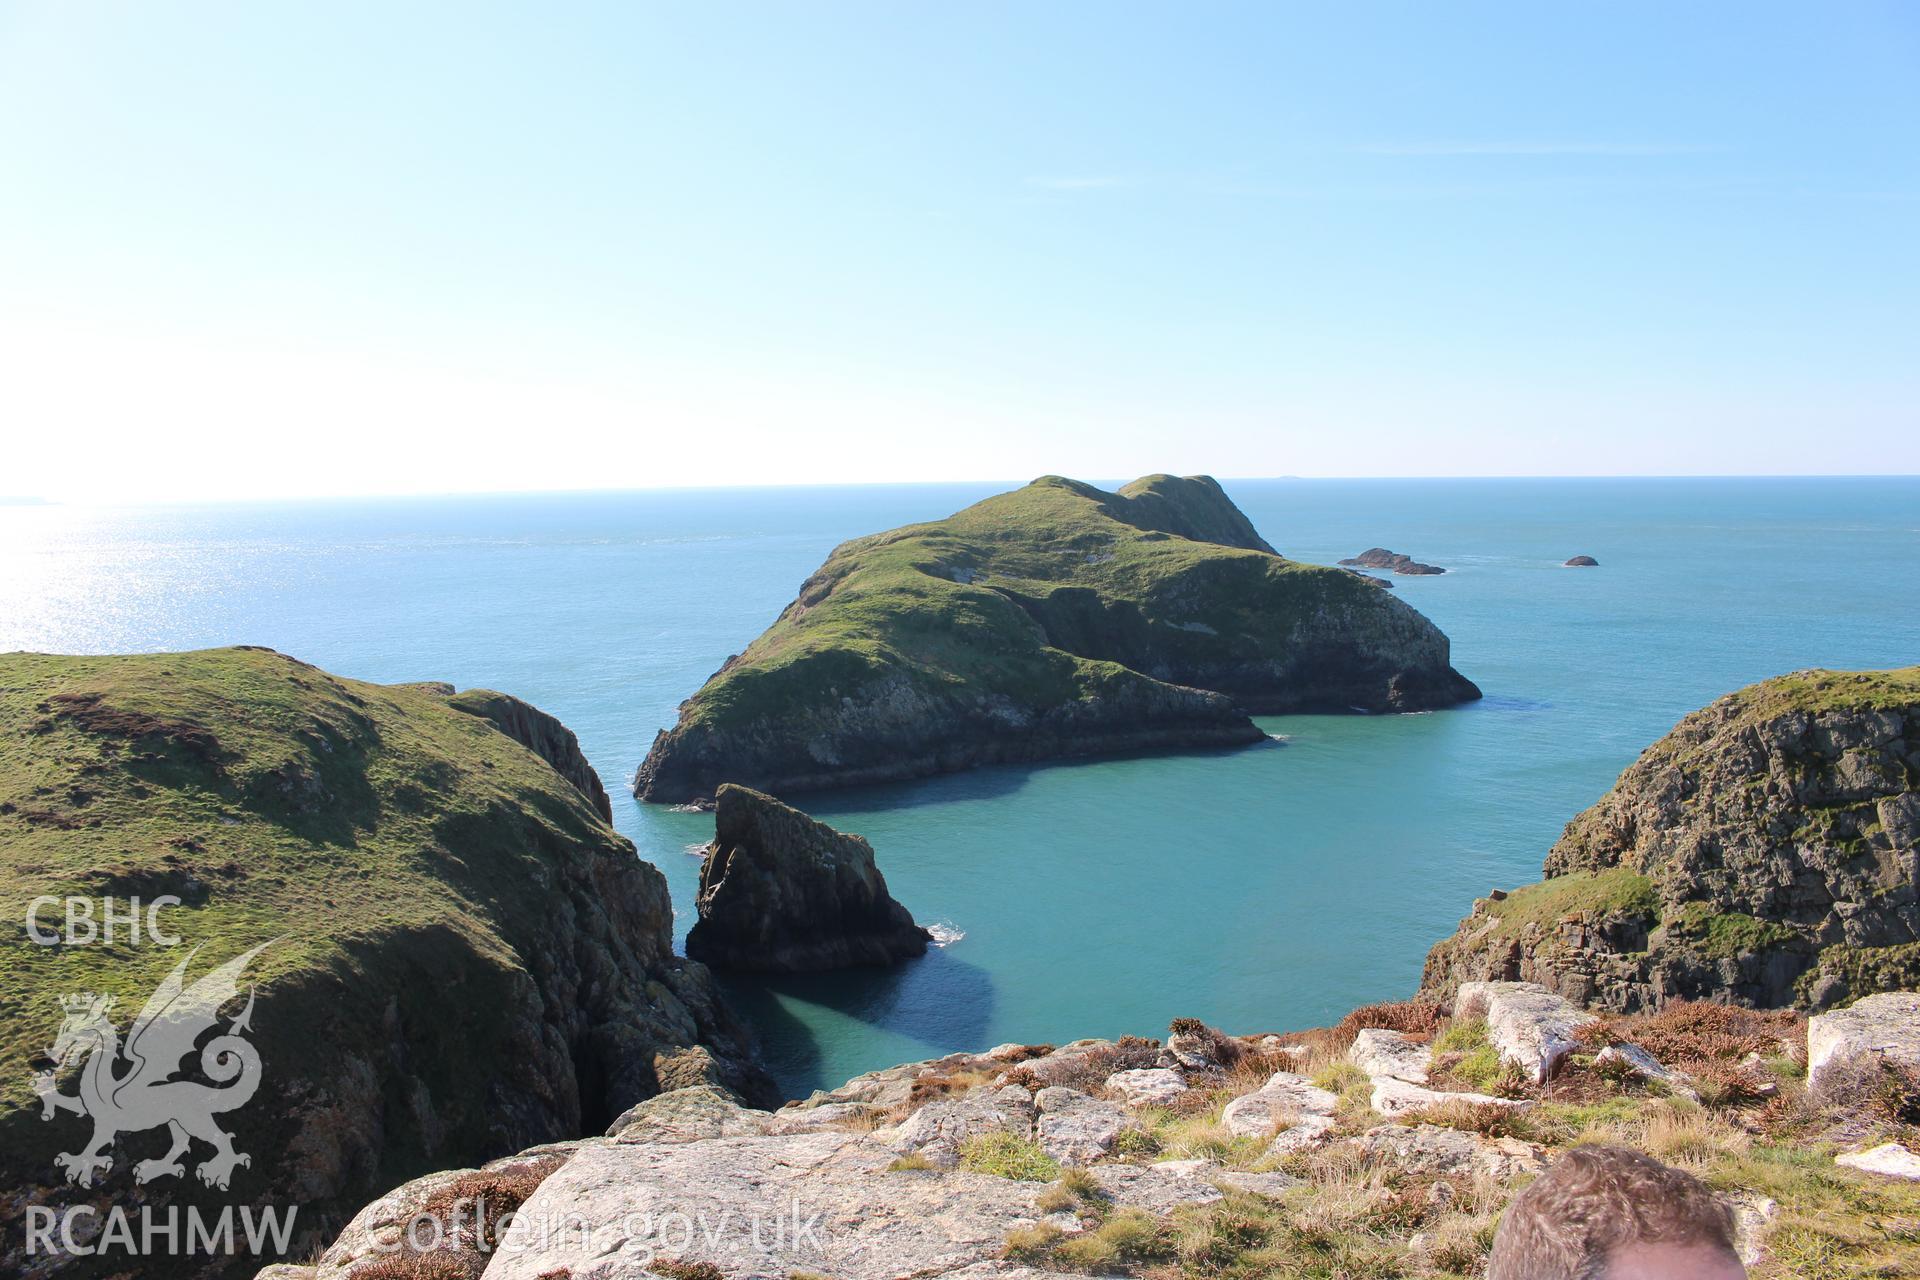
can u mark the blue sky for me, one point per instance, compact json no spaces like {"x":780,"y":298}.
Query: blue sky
{"x":265,"y":249}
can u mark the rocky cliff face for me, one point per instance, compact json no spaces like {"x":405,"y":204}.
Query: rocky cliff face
{"x":1056,"y":620}
{"x":541,"y":734}
{"x":782,"y":893}
{"x":468,"y":959}
{"x":1764,"y":852}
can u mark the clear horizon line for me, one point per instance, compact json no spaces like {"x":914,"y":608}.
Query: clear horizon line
{"x":31,"y":501}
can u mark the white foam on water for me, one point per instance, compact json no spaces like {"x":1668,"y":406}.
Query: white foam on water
{"x":945,"y":932}
{"x":695,"y":850}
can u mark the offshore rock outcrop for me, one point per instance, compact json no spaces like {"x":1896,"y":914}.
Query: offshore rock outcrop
{"x":782,"y":893}
{"x":1381,"y":558}
{"x":466,"y":959}
{"x":1057,"y":620}
{"x":1763,"y":853}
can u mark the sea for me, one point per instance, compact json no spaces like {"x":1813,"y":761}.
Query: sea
{"x":1262,"y":889}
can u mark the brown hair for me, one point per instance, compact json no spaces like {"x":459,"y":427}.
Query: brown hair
{"x":1597,"y":1199}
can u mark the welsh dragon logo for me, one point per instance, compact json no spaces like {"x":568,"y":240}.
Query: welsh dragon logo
{"x":128,"y":1088}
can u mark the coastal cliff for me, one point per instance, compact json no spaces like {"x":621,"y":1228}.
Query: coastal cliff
{"x":541,"y":734}
{"x":1056,"y":620}
{"x":463,"y":958}
{"x":782,"y":893}
{"x":1777,"y":822}
{"x":1763,"y":852}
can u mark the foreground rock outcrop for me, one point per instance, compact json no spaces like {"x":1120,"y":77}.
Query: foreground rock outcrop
{"x":1056,"y":620}
{"x":464,"y":959}
{"x":1876,"y":1034}
{"x":1764,"y":852}
{"x":1363,"y":1148}
{"x":782,"y":893}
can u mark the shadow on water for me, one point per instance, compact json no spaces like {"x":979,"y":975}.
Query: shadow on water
{"x":987,"y":782}
{"x":938,"y":1003}
{"x":1507,"y":702}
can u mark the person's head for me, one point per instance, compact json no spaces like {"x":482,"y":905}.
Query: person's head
{"x":1606,"y":1213}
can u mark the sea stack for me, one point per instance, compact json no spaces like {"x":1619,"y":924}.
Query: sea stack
{"x":782,"y":893}
{"x":1582,"y":562}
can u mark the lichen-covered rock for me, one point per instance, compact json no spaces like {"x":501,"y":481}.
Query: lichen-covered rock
{"x":1752,"y":1214}
{"x":1077,"y":1129}
{"x":852,"y":1116}
{"x":1530,"y":1026}
{"x":445,"y":1215}
{"x":1271,"y":1185}
{"x":1084,"y":1061}
{"x":1391,"y":1053}
{"x":1764,"y":852}
{"x":1308,"y":1133}
{"x":1284,"y":1100}
{"x":688,"y":1115}
{"x":1879,"y":1028}
{"x":1430,"y":1150}
{"x":1889,"y":1160}
{"x":1637,"y":1061}
{"x":1194,"y":1046}
{"x":889,"y":1087}
{"x":1159,"y":1188}
{"x":782,"y":893}
{"x":937,"y":1131}
{"x":1393,"y":1097}
{"x":1057,"y":620}
{"x":760,"y":1207}
{"x":1148,"y":1086}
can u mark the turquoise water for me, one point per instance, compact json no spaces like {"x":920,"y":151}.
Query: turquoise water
{"x":1261,"y":889}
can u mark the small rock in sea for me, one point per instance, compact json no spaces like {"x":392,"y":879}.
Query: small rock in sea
{"x":1582,"y":562}
{"x":1381,"y":558}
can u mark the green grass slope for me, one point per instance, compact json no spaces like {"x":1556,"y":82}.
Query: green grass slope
{"x":469,"y":958}
{"x":1057,"y":619}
